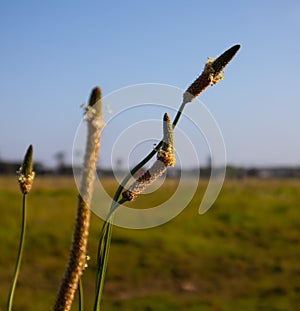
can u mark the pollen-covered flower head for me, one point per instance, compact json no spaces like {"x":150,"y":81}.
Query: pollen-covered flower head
{"x":165,"y":158}
{"x":25,"y":173}
{"x":93,"y":111}
{"x":166,"y":152}
{"x":211,"y":74}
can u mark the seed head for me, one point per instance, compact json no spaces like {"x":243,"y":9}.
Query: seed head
{"x":95,"y":96}
{"x":220,"y":63}
{"x":25,"y":173}
{"x":212,"y":74}
{"x":166,"y":152}
{"x":165,"y":158}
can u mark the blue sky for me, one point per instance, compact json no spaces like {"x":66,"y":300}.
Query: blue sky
{"x":53,"y":52}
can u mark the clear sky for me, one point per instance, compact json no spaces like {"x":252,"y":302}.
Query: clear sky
{"x":53,"y":52}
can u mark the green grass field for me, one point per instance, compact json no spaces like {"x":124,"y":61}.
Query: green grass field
{"x":243,"y":254}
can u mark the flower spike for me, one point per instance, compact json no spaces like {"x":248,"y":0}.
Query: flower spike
{"x":25,"y":173}
{"x":210,"y":75}
{"x":165,"y":158}
{"x":166,"y":152}
{"x":220,"y":63}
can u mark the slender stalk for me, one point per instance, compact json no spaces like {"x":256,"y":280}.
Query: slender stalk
{"x":210,"y":75}
{"x":80,"y":296}
{"x":103,"y":253}
{"x":102,"y":262}
{"x":25,"y":180}
{"x":19,"y":256}
{"x":147,"y":158}
{"x":106,"y":232}
{"x":165,"y":158}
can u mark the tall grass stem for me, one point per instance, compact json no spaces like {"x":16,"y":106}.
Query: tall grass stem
{"x":19,"y":256}
{"x":207,"y":78}
{"x":80,"y":296}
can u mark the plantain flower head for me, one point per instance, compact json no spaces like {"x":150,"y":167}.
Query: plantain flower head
{"x":211,"y":74}
{"x":25,"y":173}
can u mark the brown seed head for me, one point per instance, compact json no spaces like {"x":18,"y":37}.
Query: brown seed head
{"x":166,"y":152}
{"x":220,"y":63}
{"x":165,"y":158}
{"x":25,"y":173}
{"x":95,"y":96}
{"x":211,"y":74}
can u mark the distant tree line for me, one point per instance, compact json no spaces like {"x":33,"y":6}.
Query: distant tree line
{"x":10,"y":168}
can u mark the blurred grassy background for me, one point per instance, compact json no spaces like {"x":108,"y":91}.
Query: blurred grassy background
{"x":241,"y":255}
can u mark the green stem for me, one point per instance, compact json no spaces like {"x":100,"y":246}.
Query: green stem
{"x":103,"y":252}
{"x":106,"y":231}
{"x":147,"y":158}
{"x":105,"y":237}
{"x":19,"y":256}
{"x":102,"y":262}
{"x":80,"y":296}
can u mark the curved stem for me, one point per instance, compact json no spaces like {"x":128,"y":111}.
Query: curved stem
{"x":147,"y":158}
{"x":103,"y":252}
{"x":104,"y":247}
{"x":19,"y":256}
{"x":80,"y":296}
{"x":106,"y":231}
{"x":199,"y":85}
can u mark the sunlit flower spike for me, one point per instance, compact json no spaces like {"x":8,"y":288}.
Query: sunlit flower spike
{"x":211,"y":74}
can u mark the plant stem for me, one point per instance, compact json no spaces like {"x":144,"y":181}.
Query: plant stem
{"x":106,"y":231}
{"x":103,"y":253}
{"x":198,"y":86}
{"x":147,"y":158}
{"x":80,"y":296}
{"x":218,"y":65}
{"x":19,"y":256}
{"x":104,"y":246}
